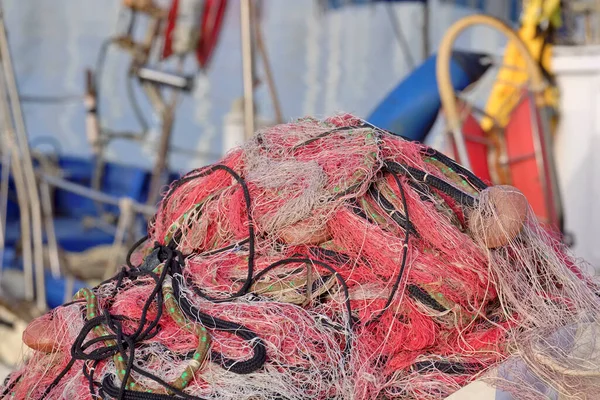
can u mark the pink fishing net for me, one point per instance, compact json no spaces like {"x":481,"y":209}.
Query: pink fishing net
{"x":325,"y":260}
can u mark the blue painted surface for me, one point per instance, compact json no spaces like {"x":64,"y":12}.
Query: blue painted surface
{"x":411,"y":108}
{"x":55,"y":287}
{"x":55,"y":290}
{"x":118,"y":180}
{"x":71,"y":232}
{"x":482,"y":6}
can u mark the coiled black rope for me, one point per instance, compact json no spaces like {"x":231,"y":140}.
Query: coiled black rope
{"x":433,"y":181}
{"x":126,"y":343}
{"x":259,"y":351}
{"x":251,"y":232}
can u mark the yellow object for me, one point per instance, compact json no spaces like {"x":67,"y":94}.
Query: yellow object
{"x":447,"y":95}
{"x":538,"y":15}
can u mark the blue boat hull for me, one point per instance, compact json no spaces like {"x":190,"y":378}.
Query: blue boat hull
{"x":70,"y":210}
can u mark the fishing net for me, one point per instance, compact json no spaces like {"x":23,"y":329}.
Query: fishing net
{"x":325,"y":259}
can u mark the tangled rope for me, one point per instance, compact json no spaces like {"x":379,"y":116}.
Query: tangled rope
{"x":323,"y":260}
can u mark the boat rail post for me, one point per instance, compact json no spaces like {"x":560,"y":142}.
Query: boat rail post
{"x":11,"y":90}
{"x":545,"y":158}
{"x":53,"y":253}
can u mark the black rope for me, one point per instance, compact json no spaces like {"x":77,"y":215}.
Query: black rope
{"x":433,"y":181}
{"x":58,"y":378}
{"x":251,"y":233}
{"x":10,"y":387}
{"x":404,"y":254}
{"x":240,"y":367}
{"x":89,"y":375}
{"x":469,"y":176}
{"x":319,"y":252}
{"x":259,"y":351}
{"x":133,"y":249}
{"x":325,"y":134}
{"x":390,"y":210}
{"x":226,"y":248}
{"x":446,"y":367}
{"x":417,"y":293}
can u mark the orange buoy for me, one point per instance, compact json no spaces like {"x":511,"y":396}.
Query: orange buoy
{"x":303,"y":233}
{"x":500,"y":216}
{"x":41,"y":334}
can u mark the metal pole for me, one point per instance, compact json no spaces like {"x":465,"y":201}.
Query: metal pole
{"x":545,"y":161}
{"x":23,"y":143}
{"x":126,"y":219}
{"x":162,"y":155}
{"x":53,"y":254}
{"x":93,"y":195}
{"x":22,"y":195}
{"x":247,"y":65}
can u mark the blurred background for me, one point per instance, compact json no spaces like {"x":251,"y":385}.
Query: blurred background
{"x":105,"y":103}
{"x":325,"y":57}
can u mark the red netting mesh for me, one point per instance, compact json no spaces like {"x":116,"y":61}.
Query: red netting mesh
{"x":428,"y":313}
